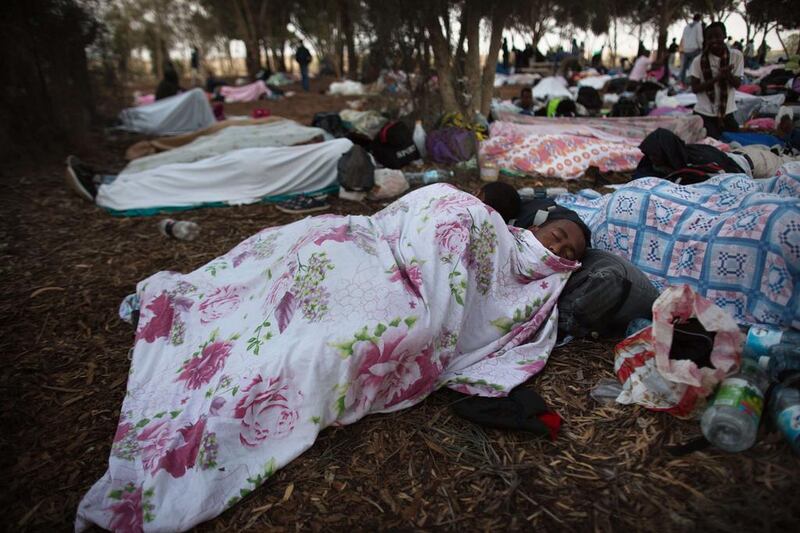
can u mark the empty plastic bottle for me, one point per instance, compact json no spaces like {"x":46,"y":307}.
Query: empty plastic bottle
{"x":427,"y":177}
{"x":179,"y":229}
{"x":531,"y":193}
{"x":419,"y":138}
{"x":776,"y":351}
{"x":606,"y":390}
{"x":784,"y":406}
{"x":731,"y":420}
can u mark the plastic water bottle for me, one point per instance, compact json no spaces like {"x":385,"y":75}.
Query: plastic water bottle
{"x":427,"y":177}
{"x":784,"y":406}
{"x":776,"y":351}
{"x":606,"y":390}
{"x":179,"y":229}
{"x":731,"y":420}
{"x":536,"y":193}
{"x":419,"y":138}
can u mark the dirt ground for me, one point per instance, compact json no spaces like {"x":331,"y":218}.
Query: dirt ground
{"x":66,"y":265}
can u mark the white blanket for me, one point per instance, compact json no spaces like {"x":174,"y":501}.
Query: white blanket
{"x":282,"y":133}
{"x":237,"y":177}
{"x":239,"y":365}
{"x":182,"y":113}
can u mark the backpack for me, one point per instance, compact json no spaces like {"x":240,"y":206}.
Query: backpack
{"x":451,"y":145}
{"x":355,"y":170}
{"x":589,"y":98}
{"x":626,"y":107}
{"x":394,"y":146}
{"x":330,"y":122}
{"x":692,"y":174}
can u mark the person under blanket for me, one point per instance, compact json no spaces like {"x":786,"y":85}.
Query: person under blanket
{"x":239,"y":365}
{"x":240,"y":176}
{"x":560,"y":230}
{"x":714,"y":76}
{"x":733,"y":239}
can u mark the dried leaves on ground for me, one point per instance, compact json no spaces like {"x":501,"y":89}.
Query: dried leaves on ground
{"x":67,"y":264}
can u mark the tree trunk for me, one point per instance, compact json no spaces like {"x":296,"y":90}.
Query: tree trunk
{"x":443,"y":60}
{"x":473,"y":62}
{"x":347,"y":24}
{"x":499,"y":17}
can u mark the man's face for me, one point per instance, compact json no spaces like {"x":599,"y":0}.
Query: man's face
{"x":562,"y":237}
{"x":526,"y":100}
{"x":716,"y":41}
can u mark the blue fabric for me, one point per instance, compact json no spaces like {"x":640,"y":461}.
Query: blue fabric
{"x":732,"y":239}
{"x":304,"y":75}
{"x":746,"y":139}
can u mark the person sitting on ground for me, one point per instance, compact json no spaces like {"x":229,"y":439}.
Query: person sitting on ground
{"x":640,"y":67}
{"x":714,"y":76}
{"x":169,"y":85}
{"x":525,"y":101}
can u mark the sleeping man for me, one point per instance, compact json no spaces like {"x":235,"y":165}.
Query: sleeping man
{"x":240,"y":364}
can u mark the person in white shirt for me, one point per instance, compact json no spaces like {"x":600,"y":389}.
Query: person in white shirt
{"x":639,"y":70}
{"x":715,"y":75}
{"x":691,"y":44}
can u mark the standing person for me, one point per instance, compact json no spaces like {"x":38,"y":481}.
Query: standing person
{"x":714,"y":77}
{"x":505,"y":56}
{"x":574,"y":50}
{"x":672,"y":52}
{"x":303,"y":58}
{"x":195,"y":63}
{"x":762,"y":53}
{"x":749,"y":54}
{"x":691,"y":43}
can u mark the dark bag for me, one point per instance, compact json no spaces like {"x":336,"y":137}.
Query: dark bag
{"x":603,"y":296}
{"x":451,"y":145}
{"x":330,"y":122}
{"x":691,"y":174}
{"x":626,"y":107}
{"x":589,"y":98}
{"x":355,"y":170}
{"x":394,"y":146}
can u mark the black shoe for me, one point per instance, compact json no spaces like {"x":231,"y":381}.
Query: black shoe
{"x":302,"y":204}
{"x":80,"y":177}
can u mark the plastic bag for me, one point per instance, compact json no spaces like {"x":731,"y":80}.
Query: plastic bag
{"x":678,"y":386}
{"x":388,"y":184}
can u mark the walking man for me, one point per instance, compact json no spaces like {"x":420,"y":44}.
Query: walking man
{"x":691,"y":44}
{"x":303,"y":58}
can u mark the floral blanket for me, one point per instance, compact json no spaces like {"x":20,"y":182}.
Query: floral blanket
{"x":240,"y":364}
{"x":521,"y":148}
{"x":732,"y":239}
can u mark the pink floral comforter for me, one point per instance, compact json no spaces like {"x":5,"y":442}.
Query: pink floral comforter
{"x":521,"y":148}
{"x":244,"y":93}
{"x":240,"y":364}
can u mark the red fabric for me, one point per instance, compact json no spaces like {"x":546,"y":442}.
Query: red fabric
{"x":260,"y":113}
{"x":552,"y":420}
{"x":750,"y":89}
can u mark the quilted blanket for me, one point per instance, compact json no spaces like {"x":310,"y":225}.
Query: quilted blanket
{"x":240,"y":364}
{"x":732,"y":239}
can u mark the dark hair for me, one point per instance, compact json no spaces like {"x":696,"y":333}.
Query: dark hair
{"x":525,"y":90}
{"x":503,"y":198}
{"x":713,"y":25}
{"x":562,"y":213}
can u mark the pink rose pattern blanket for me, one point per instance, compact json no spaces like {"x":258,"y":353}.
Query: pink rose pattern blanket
{"x":240,"y":364}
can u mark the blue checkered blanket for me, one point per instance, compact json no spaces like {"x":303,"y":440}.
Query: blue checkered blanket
{"x":732,"y":239}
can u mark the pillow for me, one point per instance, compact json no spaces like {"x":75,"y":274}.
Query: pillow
{"x":603,"y":296}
